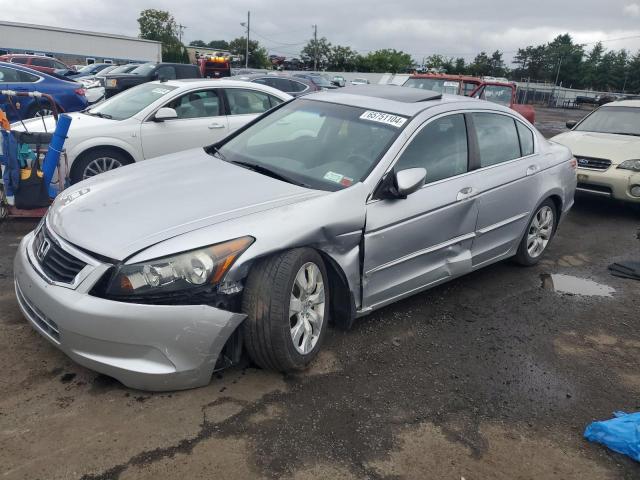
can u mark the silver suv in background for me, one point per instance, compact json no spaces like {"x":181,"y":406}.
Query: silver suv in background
{"x":325,"y":209}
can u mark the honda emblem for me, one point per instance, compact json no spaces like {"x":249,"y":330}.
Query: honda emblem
{"x":43,"y":249}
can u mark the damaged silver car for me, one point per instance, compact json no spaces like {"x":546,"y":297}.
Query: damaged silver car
{"x":324,"y":209}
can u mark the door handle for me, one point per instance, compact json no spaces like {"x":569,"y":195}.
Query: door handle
{"x":465,"y":193}
{"x":215,"y":125}
{"x":532,"y":170}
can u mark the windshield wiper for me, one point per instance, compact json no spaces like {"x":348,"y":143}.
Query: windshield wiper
{"x":266,"y":171}
{"x":217,"y":151}
{"x":99,"y":114}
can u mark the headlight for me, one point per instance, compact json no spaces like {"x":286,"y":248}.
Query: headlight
{"x":630,"y":165}
{"x":112,"y":82}
{"x":196,"y":268}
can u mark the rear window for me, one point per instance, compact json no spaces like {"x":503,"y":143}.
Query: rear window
{"x":439,"y":85}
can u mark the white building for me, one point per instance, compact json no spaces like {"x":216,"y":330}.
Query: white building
{"x":76,"y":46}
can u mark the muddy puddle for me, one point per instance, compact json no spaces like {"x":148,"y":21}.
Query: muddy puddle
{"x":570,"y":285}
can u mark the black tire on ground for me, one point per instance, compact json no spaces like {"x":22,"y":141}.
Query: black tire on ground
{"x":266,"y":300}
{"x":83,"y":161}
{"x":522,"y":256}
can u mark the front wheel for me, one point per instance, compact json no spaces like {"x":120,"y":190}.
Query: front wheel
{"x":96,"y":162}
{"x":286,"y":300}
{"x":539,"y":233}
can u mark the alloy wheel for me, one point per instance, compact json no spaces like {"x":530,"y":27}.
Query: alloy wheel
{"x":306,"y":308}
{"x":540,"y":231}
{"x":100,"y":165}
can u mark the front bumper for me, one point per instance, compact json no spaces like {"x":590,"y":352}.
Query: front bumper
{"x":613,"y":183}
{"x":148,"y":347}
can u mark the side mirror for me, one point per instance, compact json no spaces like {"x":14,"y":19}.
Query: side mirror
{"x":165,"y":113}
{"x":398,"y":185}
{"x":571,"y":124}
{"x":410,"y":180}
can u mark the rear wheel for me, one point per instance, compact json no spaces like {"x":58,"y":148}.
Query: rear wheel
{"x":286,"y":300}
{"x":539,"y":233}
{"x":96,"y":162}
{"x":40,"y":109}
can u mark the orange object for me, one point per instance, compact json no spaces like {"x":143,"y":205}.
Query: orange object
{"x":4,"y":121}
{"x":26,"y":173}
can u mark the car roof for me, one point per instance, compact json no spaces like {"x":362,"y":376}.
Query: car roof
{"x":287,"y":76}
{"x":209,"y":82}
{"x":623,"y":103}
{"x":387,"y":98}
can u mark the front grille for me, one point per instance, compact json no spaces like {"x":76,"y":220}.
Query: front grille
{"x":47,"y":325}
{"x":593,"y":163}
{"x":57,"y":264}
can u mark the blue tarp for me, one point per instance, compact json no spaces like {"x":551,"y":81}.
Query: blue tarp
{"x":620,"y":434}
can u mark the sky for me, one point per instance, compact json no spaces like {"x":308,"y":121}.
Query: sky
{"x":454,"y":28}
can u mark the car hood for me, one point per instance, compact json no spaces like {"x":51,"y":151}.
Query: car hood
{"x":616,"y":148}
{"x":122,"y":212}
{"x":78,"y":121}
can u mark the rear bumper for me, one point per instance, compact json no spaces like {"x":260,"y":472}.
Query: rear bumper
{"x":148,"y":347}
{"x":612,"y":183}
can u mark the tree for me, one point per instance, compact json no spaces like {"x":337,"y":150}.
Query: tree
{"x":386,"y":60}
{"x":531,"y":61}
{"x":481,"y":65}
{"x":321,"y":49}
{"x":342,"y":58}
{"x":459,"y":67}
{"x":219,"y":44}
{"x":197,"y":43}
{"x":496,"y":65}
{"x":590,"y":68}
{"x":258,"y":57}
{"x":633,"y":74}
{"x":563,"y":61}
{"x":160,"y":26}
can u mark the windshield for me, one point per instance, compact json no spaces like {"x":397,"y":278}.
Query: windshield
{"x":130,"y":102}
{"x":439,"y":85}
{"x":144,"y":69}
{"x":621,"y":120}
{"x":86,"y":69}
{"x":497,"y":94}
{"x":321,"y":145}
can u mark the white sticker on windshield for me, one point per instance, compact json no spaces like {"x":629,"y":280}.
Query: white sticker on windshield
{"x":160,"y":91}
{"x":451,"y":84}
{"x":386,"y":118}
{"x":333,"y":177}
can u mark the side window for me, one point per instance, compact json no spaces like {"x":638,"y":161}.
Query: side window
{"x":186,"y":71}
{"x":167,"y":72}
{"x":282,"y":84}
{"x":468,"y":88}
{"x":8,"y":75}
{"x":27,"y":77}
{"x":526,"y":139}
{"x":21,"y":60}
{"x":242,"y":101}
{"x":42,"y":62}
{"x":205,"y":103}
{"x":440,"y":147}
{"x":274,"y":101}
{"x":59,"y":65}
{"x":297,"y":86}
{"x":497,"y":138}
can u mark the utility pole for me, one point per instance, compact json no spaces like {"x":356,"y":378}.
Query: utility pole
{"x":246,"y":58}
{"x":315,"y":48}
{"x":180,"y":30}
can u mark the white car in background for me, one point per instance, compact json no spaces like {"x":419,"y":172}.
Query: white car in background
{"x":158,"y":118}
{"x":359,"y":81}
{"x":606,"y":144}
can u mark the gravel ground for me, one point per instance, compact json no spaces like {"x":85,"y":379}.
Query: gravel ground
{"x":491,"y":376}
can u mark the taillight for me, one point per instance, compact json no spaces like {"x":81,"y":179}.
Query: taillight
{"x":80,"y":91}
{"x":574,"y":163}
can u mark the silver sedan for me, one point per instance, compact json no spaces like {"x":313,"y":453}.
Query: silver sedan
{"x":328,"y":207}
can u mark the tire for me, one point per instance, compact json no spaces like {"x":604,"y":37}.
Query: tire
{"x":270,"y":326}
{"x":97,"y":161}
{"x":43,"y":109}
{"x":541,"y":228}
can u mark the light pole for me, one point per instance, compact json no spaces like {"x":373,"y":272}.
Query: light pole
{"x":315,"y":48}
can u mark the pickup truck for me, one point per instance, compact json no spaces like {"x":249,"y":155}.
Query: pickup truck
{"x":148,"y":72}
{"x":504,"y":94}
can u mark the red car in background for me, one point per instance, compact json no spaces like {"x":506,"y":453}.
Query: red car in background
{"x":37,"y":62}
{"x":504,"y":94}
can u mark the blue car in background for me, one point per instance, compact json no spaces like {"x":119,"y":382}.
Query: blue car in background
{"x":69,"y":96}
